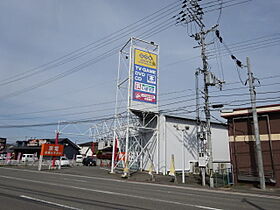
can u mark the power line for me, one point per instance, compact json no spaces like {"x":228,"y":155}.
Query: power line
{"x":91,"y":46}
{"x":230,"y":103}
{"x":242,"y":94}
{"x":151,"y":31}
{"x":240,"y":44}
{"x":97,"y":104}
{"x":81,"y":66}
{"x":55,"y":123}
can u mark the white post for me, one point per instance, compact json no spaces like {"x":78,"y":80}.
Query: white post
{"x":203,"y":176}
{"x":59,"y":164}
{"x":164,"y":144}
{"x":183,"y":157}
{"x":157,"y":169}
{"x":40,"y":163}
{"x":185,"y":128}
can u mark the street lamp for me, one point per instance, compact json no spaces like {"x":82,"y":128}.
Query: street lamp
{"x":183,"y":129}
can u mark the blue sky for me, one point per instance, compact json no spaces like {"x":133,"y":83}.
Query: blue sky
{"x":35,"y":32}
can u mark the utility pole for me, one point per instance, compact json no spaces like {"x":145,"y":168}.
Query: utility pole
{"x":209,"y":80}
{"x":206,"y":104}
{"x":256,"y":124}
{"x":199,"y":133}
{"x":193,"y":13}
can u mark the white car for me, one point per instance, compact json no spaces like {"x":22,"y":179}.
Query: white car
{"x":79,"y":158}
{"x":64,"y":161}
{"x":3,"y":156}
{"x":28,"y":158}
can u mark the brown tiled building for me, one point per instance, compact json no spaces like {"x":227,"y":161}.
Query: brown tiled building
{"x":242,"y":143}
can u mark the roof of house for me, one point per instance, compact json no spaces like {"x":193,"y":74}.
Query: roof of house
{"x":194,"y":120}
{"x":60,"y":140}
{"x":248,"y":110}
{"x":85,"y":144}
{"x":26,"y":147}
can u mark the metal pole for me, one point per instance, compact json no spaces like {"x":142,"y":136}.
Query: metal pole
{"x":126,"y":169}
{"x":158,"y":153}
{"x":270,"y":145}
{"x":158,"y":117}
{"x":256,"y":125}
{"x":116,"y":115}
{"x":183,"y":157}
{"x":164,"y":144}
{"x":56,"y":142}
{"x":203,"y":176}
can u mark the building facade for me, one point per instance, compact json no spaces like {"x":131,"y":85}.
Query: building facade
{"x":160,"y":137}
{"x":170,"y":143}
{"x":242,"y":143}
{"x":33,"y":146}
{"x":88,"y":149}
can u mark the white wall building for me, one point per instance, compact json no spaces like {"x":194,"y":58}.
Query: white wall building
{"x":170,"y":142}
{"x":85,"y":149}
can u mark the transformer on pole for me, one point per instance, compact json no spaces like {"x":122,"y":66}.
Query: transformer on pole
{"x":192,"y":12}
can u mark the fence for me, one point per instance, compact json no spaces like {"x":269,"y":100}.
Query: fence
{"x":30,"y":163}
{"x":223,"y":177}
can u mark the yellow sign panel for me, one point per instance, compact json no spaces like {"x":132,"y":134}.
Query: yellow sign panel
{"x":146,"y":59}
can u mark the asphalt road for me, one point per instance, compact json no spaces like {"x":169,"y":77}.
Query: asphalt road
{"x":27,"y":189}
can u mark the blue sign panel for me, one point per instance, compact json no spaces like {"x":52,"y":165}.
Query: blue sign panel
{"x":145,"y":77}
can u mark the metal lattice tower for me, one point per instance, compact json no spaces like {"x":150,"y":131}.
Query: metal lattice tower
{"x":135,"y":133}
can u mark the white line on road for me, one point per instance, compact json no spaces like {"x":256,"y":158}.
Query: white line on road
{"x":76,"y":180}
{"x":156,"y":185}
{"x":48,"y":202}
{"x":112,"y":193}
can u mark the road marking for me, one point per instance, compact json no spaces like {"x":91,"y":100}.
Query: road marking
{"x":111,"y":193}
{"x":156,"y":185}
{"x":76,"y":180}
{"x":48,"y":202}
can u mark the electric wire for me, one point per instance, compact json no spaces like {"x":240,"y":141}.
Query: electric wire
{"x":111,"y":102}
{"x":152,"y":33}
{"x":68,"y":72}
{"x":105,"y":117}
{"x":155,"y":29}
{"x":97,"y":104}
{"x":241,"y":48}
{"x":94,"y":45}
{"x":98,"y":110}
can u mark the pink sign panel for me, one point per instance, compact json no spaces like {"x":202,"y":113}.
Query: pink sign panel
{"x":144,"y":97}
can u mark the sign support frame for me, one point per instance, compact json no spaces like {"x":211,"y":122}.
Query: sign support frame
{"x":134,"y":121}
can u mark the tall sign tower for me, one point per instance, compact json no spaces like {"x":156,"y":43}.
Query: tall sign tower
{"x":135,"y":144}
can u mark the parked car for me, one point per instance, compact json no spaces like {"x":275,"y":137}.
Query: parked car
{"x":89,"y":161}
{"x":3,"y":156}
{"x":79,"y":159}
{"x":64,"y":161}
{"x":28,"y":158}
